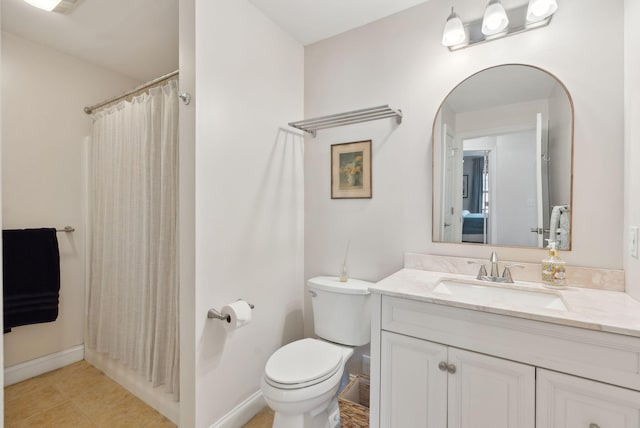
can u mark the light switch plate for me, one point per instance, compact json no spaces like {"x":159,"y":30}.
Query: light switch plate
{"x":633,"y":241}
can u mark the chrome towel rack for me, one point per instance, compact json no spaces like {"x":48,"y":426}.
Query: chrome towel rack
{"x":66,"y":229}
{"x":341,"y":119}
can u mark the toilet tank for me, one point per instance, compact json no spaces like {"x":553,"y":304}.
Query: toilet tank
{"x":341,"y":310}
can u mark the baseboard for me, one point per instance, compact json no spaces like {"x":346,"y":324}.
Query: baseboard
{"x":29,"y":369}
{"x":136,"y":384}
{"x":243,"y":412}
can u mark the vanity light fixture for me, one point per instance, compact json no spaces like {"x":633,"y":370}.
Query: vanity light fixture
{"x":497,"y":22}
{"x":541,"y":9}
{"x":47,"y":5}
{"x":61,"y":6}
{"x":495,"y":18}
{"x":454,"y":31}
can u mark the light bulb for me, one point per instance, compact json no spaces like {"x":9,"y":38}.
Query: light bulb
{"x":541,"y":9}
{"x":47,"y":5}
{"x":454,"y":32}
{"x":495,"y":18}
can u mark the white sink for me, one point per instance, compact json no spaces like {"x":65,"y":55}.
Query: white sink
{"x":489,"y":294}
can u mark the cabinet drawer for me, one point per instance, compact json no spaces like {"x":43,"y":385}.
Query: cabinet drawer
{"x":606,"y":357}
{"x":565,"y":401}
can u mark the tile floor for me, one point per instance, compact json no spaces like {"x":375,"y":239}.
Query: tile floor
{"x":264,"y":419}
{"x":76,"y":396}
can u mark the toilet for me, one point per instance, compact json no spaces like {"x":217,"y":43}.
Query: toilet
{"x":301,"y":379}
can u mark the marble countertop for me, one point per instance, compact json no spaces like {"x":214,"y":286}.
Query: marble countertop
{"x":609,"y":311}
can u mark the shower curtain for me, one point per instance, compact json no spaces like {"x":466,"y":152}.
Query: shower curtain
{"x":133,"y":270}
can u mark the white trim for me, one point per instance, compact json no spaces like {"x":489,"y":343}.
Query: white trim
{"x":86,"y":186}
{"x":38,"y":366}
{"x":136,"y":384}
{"x":243,"y":412}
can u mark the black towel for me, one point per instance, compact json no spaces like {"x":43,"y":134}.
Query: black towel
{"x":31,"y":276}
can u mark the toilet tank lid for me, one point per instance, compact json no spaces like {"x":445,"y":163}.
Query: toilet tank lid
{"x":333,"y":284}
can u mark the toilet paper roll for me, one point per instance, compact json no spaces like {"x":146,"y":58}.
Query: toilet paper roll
{"x":238,"y":313}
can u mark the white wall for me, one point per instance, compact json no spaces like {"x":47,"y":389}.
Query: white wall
{"x":559,"y":126}
{"x":43,"y":94}
{"x":632,"y":139}
{"x":249,"y":198}
{"x":400,"y":61}
{"x":513,"y":117}
{"x":1,"y":302}
{"x":186,"y":215}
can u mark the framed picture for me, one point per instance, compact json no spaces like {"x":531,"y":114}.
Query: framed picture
{"x":351,"y":170}
{"x":465,"y":186}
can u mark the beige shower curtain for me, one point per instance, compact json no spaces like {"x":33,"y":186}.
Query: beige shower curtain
{"x":133,"y":277}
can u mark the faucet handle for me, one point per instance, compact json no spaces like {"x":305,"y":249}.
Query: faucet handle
{"x":506,"y":274}
{"x":482,"y":271}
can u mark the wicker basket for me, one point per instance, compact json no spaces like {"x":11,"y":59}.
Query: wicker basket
{"x":354,"y":403}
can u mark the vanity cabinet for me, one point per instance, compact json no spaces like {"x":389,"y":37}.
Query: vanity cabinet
{"x":425,"y":384}
{"x":571,"y":402}
{"x":506,"y":371}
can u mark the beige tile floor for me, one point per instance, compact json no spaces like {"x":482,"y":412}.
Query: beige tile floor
{"x":78,"y":395}
{"x":264,"y":419}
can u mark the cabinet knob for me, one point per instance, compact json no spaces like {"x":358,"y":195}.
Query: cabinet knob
{"x":452,"y":369}
{"x":443,"y":366}
{"x":594,"y":426}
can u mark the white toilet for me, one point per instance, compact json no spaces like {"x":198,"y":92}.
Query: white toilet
{"x":301,"y":379}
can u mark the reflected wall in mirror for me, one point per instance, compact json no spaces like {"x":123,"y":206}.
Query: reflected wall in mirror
{"x":502,"y":160}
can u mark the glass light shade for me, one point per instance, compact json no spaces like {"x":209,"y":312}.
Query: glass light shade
{"x":495,"y":18}
{"x":541,"y":9}
{"x":47,"y":5}
{"x":454,"y":32}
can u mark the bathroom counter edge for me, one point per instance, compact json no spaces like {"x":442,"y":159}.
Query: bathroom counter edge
{"x":607,"y":311}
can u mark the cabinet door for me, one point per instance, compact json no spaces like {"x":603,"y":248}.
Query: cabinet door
{"x":413,"y":388}
{"x":489,"y":392}
{"x":566,"y":401}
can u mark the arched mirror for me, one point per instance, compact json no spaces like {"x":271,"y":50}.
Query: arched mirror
{"x":502,"y":160}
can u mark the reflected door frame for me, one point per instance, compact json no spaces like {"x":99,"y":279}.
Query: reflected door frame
{"x":451,"y":227}
{"x":492,"y":150}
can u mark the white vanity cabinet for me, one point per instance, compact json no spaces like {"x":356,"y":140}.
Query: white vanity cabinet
{"x":506,"y":371}
{"x":414,"y":389}
{"x":425,"y":384}
{"x":565,"y":401}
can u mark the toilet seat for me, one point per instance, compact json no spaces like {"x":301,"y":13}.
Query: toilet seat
{"x":303,"y":363}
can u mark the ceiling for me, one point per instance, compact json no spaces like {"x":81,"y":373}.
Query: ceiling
{"x":309,"y":21}
{"x":139,"y":38}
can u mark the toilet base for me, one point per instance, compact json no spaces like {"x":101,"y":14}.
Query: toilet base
{"x":326,"y":419}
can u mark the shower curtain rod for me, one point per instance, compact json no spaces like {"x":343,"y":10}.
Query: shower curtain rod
{"x":139,"y":89}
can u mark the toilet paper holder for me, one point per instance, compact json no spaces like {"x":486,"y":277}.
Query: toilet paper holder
{"x":216,"y":314}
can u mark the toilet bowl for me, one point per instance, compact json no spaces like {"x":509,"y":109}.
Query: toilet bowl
{"x":301,"y":379}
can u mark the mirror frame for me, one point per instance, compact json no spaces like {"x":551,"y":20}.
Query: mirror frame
{"x":433,"y":158}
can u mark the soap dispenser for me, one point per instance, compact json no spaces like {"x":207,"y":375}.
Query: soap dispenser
{"x":553,"y":268}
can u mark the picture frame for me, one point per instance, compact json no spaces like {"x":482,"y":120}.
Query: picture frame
{"x":351,"y":170}
{"x":465,"y":186}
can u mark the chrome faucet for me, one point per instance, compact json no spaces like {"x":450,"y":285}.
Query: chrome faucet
{"x":494,"y":264}
{"x":494,"y":276}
